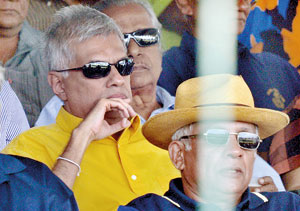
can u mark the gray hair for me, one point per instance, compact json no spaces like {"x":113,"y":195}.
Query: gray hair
{"x":75,"y":24}
{"x":184,"y":131}
{"x":105,"y":4}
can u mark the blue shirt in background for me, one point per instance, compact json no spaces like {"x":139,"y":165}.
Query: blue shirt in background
{"x":175,"y":199}
{"x":272,"y":80}
{"x":29,"y":185}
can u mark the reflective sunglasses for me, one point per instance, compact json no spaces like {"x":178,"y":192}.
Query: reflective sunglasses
{"x":220,"y":137}
{"x":143,"y":37}
{"x":102,"y":69}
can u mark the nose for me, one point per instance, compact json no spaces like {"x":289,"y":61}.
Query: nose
{"x":133,"y":49}
{"x":233,"y":148}
{"x":114,"y":78}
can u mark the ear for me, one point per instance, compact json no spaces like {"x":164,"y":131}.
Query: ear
{"x":55,"y":80}
{"x":176,"y":152}
{"x":185,"y":6}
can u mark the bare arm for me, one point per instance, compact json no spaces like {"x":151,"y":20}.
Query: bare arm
{"x":93,"y":127}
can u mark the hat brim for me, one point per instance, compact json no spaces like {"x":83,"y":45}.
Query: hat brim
{"x":160,"y":128}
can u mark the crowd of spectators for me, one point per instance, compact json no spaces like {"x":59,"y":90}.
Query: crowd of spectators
{"x":103,"y":106}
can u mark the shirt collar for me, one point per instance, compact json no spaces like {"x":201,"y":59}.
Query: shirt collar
{"x":29,"y":38}
{"x":251,"y":200}
{"x":164,"y":98}
{"x":9,"y":165}
{"x":176,"y":194}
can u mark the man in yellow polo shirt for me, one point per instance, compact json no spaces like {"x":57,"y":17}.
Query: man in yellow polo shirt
{"x":96,"y":146}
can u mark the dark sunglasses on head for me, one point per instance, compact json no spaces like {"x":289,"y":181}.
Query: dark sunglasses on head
{"x":143,"y":37}
{"x":102,"y":69}
{"x":219,"y":137}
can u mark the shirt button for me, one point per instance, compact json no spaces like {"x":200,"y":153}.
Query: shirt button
{"x":133,"y":177}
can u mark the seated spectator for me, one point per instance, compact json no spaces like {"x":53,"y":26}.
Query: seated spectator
{"x":148,"y":98}
{"x":21,"y":55}
{"x":266,"y":74}
{"x":96,"y":145}
{"x":213,"y":142}
{"x":29,"y":185}
{"x":13,"y":120}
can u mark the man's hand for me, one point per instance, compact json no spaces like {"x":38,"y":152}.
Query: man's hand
{"x":267,"y":185}
{"x":108,"y":117}
{"x":98,"y":125}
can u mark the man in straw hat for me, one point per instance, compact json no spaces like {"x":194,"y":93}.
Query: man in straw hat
{"x":212,"y":136}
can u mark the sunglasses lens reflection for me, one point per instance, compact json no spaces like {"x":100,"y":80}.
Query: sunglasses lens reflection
{"x":217,"y":137}
{"x":143,"y":37}
{"x":102,"y":69}
{"x":220,"y":137}
{"x":248,"y":140}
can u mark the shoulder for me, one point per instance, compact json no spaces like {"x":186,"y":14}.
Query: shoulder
{"x":278,"y":200}
{"x":21,"y":172}
{"x":39,"y":143}
{"x":27,"y":29}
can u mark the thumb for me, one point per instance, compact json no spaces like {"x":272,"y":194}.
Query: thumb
{"x":124,"y":123}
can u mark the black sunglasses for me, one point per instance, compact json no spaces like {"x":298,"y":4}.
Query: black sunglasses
{"x":143,"y":37}
{"x":102,"y":69}
{"x":219,"y":137}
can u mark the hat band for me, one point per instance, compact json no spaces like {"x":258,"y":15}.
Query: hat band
{"x":222,"y":104}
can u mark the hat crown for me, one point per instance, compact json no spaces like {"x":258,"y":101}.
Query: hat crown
{"x":213,"y":90}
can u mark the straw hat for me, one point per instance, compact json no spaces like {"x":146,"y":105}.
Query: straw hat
{"x":213,"y":97}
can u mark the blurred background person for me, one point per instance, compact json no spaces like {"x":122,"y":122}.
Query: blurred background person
{"x":22,"y":56}
{"x":13,"y":120}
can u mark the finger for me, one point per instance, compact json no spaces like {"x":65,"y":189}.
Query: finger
{"x":268,"y":188}
{"x":265,"y":180}
{"x":130,"y":110}
{"x":124,"y":123}
{"x":118,"y":106}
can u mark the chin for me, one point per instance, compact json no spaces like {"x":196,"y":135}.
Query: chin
{"x":230,"y":186}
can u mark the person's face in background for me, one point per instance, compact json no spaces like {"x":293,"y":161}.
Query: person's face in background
{"x":243,"y":7}
{"x":147,"y":67}
{"x":189,"y":8}
{"x":13,"y":13}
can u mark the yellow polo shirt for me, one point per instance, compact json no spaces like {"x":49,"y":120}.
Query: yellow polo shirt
{"x":112,"y":172}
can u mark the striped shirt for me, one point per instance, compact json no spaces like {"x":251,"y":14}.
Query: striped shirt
{"x":13,"y":120}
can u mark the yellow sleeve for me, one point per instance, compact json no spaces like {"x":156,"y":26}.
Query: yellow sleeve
{"x":30,"y":146}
